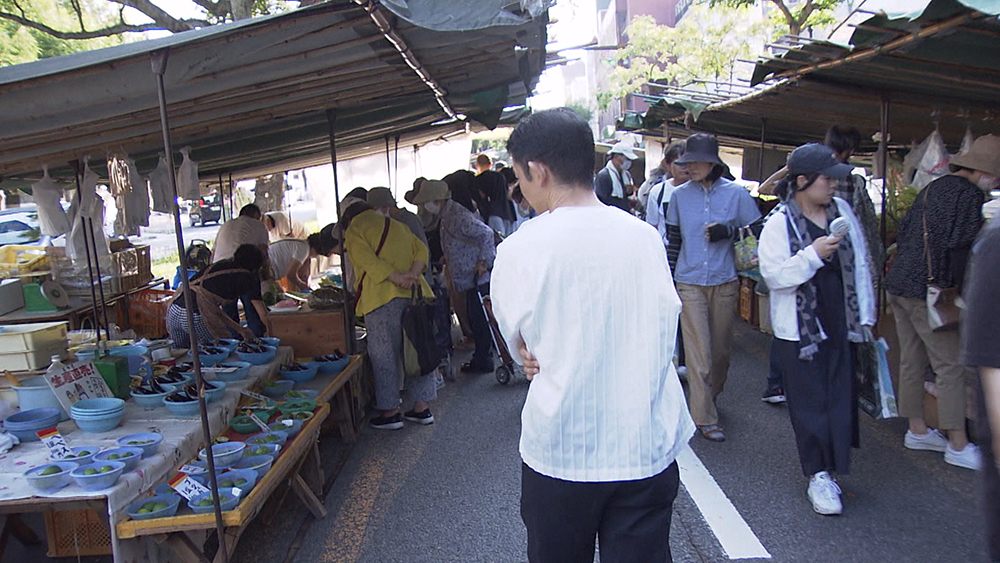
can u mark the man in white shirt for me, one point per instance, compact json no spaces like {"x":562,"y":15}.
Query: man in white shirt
{"x":605,"y":416}
{"x":245,"y":229}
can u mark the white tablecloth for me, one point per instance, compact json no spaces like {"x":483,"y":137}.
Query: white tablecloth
{"x":182,"y":439}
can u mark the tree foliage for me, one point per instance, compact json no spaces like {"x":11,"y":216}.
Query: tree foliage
{"x":810,"y":13}
{"x":21,"y":44}
{"x":705,"y":45}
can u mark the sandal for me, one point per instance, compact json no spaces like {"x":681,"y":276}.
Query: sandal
{"x":713,"y":433}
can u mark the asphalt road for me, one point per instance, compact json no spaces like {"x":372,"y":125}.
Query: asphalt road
{"x":449,"y":492}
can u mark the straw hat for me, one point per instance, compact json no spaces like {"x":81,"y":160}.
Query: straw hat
{"x":983,"y":156}
{"x":432,"y":190}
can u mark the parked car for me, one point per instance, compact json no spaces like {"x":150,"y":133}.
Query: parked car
{"x":206,"y":210}
{"x":19,"y":225}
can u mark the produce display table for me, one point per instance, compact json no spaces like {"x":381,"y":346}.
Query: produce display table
{"x":312,"y":332}
{"x":80,"y":309}
{"x":297,"y":462}
{"x":345,"y":391}
{"x":182,"y":439}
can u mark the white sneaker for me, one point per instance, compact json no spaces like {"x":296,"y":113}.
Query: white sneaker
{"x":967,"y":458}
{"x":682,"y":372}
{"x":824,"y":493}
{"x":932,"y":441}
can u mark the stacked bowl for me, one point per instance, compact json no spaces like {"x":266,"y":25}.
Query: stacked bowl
{"x":98,"y":415}
{"x":25,"y":423}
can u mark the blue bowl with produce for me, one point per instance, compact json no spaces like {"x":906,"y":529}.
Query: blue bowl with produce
{"x":293,"y":394}
{"x":331,"y":363}
{"x":274,"y":437}
{"x":51,"y":476}
{"x":276,"y":388}
{"x":280,"y":426}
{"x":211,"y":355}
{"x":229,"y":371}
{"x":225,"y":454}
{"x":149,"y":401}
{"x":244,"y":479}
{"x":261,"y":464}
{"x":157,"y":506}
{"x":148,"y":441}
{"x":214,"y":390}
{"x":271,"y":340}
{"x":98,"y":476}
{"x":82,"y":455}
{"x":299,"y":373}
{"x":128,"y":455}
{"x":180,"y":403}
{"x":256,"y":354}
{"x":202,"y":504}
{"x":262,"y":449}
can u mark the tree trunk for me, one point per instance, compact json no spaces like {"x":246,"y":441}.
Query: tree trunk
{"x":242,"y":9}
{"x":269,"y":193}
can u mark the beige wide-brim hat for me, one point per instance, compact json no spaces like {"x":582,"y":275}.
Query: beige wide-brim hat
{"x":432,"y":190}
{"x":983,"y":156}
{"x":381,"y":197}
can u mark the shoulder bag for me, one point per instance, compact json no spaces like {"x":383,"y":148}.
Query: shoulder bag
{"x":381,"y":243}
{"x":943,"y":313}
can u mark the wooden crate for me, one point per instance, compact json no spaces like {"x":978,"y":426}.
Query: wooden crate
{"x":147,"y":312}
{"x":76,"y":533}
{"x":309,"y":332}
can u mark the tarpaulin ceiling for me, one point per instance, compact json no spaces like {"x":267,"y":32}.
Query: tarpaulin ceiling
{"x":941,"y":69}
{"x":253,"y":95}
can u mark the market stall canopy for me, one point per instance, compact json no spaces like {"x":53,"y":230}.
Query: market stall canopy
{"x":251,"y":96}
{"x":940,"y":68}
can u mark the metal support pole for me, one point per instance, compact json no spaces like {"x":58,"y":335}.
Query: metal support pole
{"x":86,"y":245}
{"x":760,"y":161}
{"x":158,"y":60}
{"x":100,"y":282}
{"x":231,"y":208}
{"x":331,"y":121}
{"x":222,"y":194}
{"x":388,"y":163}
{"x":883,"y":153}
{"x":395,"y":179}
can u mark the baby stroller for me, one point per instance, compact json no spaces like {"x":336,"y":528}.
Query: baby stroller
{"x":507,"y":368}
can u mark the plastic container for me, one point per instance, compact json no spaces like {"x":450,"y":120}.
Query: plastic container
{"x":98,"y":415}
{"x":149,"y":402}
{"x":243,"y":424}
{"x":259,"y":449}
{"x":25,"y":423}
{"x":277,"y":388}
{"x":83,"y":459}
{"x":304,"y":416}
{"x":249,"y":477}
{"x":271,"y":340}
{"x":210,"y":360}
{"x":259,"y":463}
{"x":149,"y":442}
{"x":226,"y":454}
{"x":189,"y":408}
{"x":35,"y":393}
{"x":128,"y":455}
{"x":279,"y":426}
{"x":97,"y":406}
{"x":241,"y":373}
{"x":170,"y":499}
{"x":336,"y":366}
{"x":98,"y":481}
{"x":300,"y":376}
{"x":33,"y":336}
{"x":258,"y":359}
{"x":294,"y":394}
{"x":298,"y":405}
{"x":213,"y":395}
{"x":99,"y":425}
{"x":228,"y":499}
{"x":274,"y":437}
{"x":49,"y":483}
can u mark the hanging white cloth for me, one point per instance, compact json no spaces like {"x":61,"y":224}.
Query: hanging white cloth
{"x":48,"y":196}
{"x":120,"y":186}
{"x":137,"y":203}
{"x":187,"y":177}
{"x":159,"y":187}
{"x":87,"y":205}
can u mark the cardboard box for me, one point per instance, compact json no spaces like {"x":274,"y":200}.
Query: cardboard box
{"x":11,"y":295}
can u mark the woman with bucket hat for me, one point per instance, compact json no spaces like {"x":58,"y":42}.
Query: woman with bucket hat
{"x":703,"y":218}
{"x":941,"y":225}
{"x":821,"y":300}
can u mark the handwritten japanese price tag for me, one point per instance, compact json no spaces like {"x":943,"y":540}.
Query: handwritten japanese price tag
{"x":259,"y":423}
{"x":237,"y":492}
{"x":255,"y":396}
{"x":190,"y":469}
{"x":54,"y":441}
{"x":186,"y":486}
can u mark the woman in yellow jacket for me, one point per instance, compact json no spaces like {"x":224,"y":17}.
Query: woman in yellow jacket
{"x":388,"y":262}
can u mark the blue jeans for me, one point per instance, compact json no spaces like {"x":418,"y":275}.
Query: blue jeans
{"x":254,"y":323}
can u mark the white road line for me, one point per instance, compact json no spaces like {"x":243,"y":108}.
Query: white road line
{"x":737,"y":539}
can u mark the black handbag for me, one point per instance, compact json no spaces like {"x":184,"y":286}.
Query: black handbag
{"x":421,"y":354}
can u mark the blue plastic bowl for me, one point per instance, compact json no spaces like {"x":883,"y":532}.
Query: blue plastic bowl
{"x":213,"y":395}
{"x":83,"y":460}
{"x":49,"y":483}
{"x":149,"y":442}
{"x":210,"y":360}
{"x":165,"y":489}
{"x":129,"y":351}
{"x":201,"y":465}
{"x":226,"y":454}
{"x":271,"y":340}
{"x":261,"y":438}
{"x":261,"y":464}
{"x":229,"y":504}
{"x":25,"y":423}
{"x":335,"y":366}
{"x":230,"y":343}
{"x":272,"y":450}
{"x":279,"y":426}
{"x":99,"y":424}
{"x":131,"y":462}
{"x":170,"y":499}
{"x":258,"y":359}
{"x":301,"y":376}
{"x":189,"y":408}
{"x":277,"y":388}
{"x":171,"y":387}
{"x":98,"y":481}
{"x":242,"y":371}
{"x":149,"y":402}
{"x":97,"y":406}
{"x":249,"y":474}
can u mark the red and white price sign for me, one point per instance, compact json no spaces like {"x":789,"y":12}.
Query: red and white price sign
{"x":186,"y":486}
{"x":255,"y":396}
{"x":54,"y":441}
{"x":260,"y":423}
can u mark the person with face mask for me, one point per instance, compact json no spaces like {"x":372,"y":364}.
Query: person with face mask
{"x":942,"y":225}
{"x":613,"y":184}
{"x":469,"y":250}
{"x":383,"y":202}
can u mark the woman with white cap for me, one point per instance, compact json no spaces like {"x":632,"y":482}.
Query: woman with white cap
{"x":703,"y":218}
{"x":815,"y":262}
{"x":280,"y":225}
{"x":934,"y":242}
{"x":613,"y":183}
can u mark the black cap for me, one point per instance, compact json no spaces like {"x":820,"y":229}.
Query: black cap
{"x":814,"y":157}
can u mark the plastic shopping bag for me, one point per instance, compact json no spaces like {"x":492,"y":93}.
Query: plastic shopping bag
{"x":875,"y":393}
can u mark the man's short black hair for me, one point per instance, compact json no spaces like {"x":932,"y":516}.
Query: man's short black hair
{"x":248,"y":257}
{"x":250,"y":210}
{"x":559,"y":139}
{"x":842,"y":139}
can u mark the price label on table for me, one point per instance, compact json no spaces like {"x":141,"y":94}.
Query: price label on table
{"x":263,"y":426}
{"x":255,"y":396}
{"x":237,"y":492}
{"x":288,"y":422}
{"x":186,"y":486}
{"x":190,"y":469}
{"x":54,"y":441}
